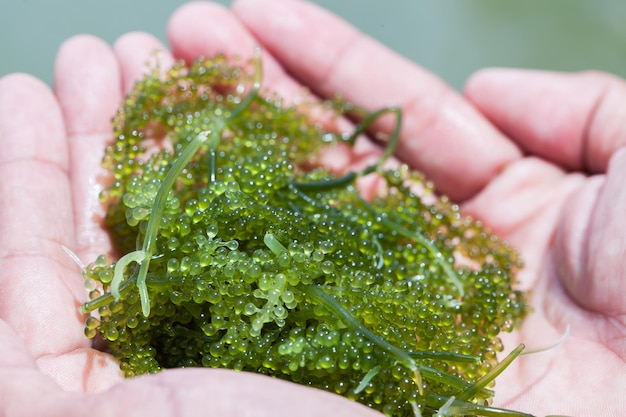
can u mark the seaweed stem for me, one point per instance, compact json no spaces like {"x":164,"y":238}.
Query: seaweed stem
{"x":463,"y":408}
{"x":344,"y":315}
{"x":367,"y":378}
{"x":491,"y":375}
{"x":419,"y":238}
{"x":350,"y":177}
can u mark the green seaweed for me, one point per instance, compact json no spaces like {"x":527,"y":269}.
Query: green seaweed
{"x":240,"y":250}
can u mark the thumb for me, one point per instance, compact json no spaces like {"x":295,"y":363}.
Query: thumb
{"x":592,"y":243}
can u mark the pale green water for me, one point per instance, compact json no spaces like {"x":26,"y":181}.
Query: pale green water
{"x":452,"y":38}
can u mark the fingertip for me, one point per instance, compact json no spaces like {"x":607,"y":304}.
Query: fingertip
{"x":18,"y":81}
{"x":140,"y":53}
{"x":23,"y":100}
{"x":76,"y":52}
{"x":206,"y":29}
{"x":305,"y":38}
{"x":488,"y":87}
{"x":82,"y":42}
{"x":87,"y":84}
{"x":20,"y":87}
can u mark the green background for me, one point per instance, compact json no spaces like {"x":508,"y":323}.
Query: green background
{"x":451,"y":38}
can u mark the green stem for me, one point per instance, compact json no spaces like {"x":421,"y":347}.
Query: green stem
{"x":491,"y":375}
{"x":419,"y":238}
{"x":120,"y":266}
{"x":367,"y":378}
{"x":106,"y":298}
{"x":456,"y":407}
{"x":317,"y":294}
{"x":446,"y":356}
{"x":451,"y":381}
{"x":350,"y":177}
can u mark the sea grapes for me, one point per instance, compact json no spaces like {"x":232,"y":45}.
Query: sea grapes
{"x":240,"y":250}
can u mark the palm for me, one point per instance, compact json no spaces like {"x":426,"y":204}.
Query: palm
{"x":570,"y":229}
{"x":41,"y":341}
{"x":561,"y":220}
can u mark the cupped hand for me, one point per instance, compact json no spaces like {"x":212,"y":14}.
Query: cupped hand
{"x":536,"y":156}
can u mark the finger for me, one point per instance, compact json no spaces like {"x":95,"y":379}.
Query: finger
{"x":179,"y":393}
{"x":39,"y":297}
{"x":87,"y":84}
{"x":595,"y":241}
{"x":442,"y":134}
{"x":187,"y":392}
{"x":138,"y":54}
{"x":574,"y":120}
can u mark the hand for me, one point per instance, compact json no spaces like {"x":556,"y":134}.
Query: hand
{"x":543,"y":164}
{"x":564,"y":221}
{"x":51,"y":146}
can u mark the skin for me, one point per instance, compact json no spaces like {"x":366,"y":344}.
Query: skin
{"x":538,"y":156}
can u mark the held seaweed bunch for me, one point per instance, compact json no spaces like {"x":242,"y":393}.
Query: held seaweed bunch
{"x":240,"y":251}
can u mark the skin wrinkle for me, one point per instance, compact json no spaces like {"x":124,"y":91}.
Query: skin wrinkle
{"x":38,"y":160}
{"x":88,"y":369}
{"x":555,"y":317}
{"x":617,"y":343}
{"x":92,"y":135}
{"x":172,"y":397}
{"x":340,"y":56}
{"x":607,"y":122}
{"x":36,"y":335}
{"x":17,"y":127}
{"x":36,"y":165}
{"x":15,"y":348}
{"x":553,"y":281}
{"x":436,"y":170}
{"x":599,"y":297}
{"x":34,"y":253}
{"x":583,"y":237}
{"x":92,"y":357}
{"x":586,"y":155}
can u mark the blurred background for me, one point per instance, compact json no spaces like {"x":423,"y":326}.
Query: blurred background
{"x":451,"y":38}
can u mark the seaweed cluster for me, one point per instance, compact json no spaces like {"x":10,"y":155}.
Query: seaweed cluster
{"x":241,"y":251}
